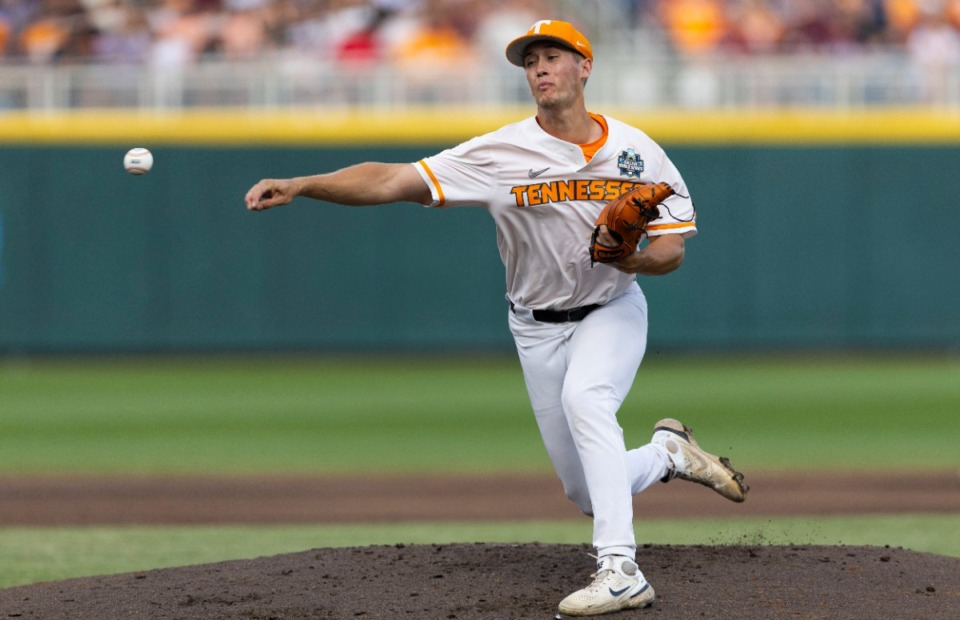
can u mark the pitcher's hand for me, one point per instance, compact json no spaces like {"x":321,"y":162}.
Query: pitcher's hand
{"x":270,"y":193}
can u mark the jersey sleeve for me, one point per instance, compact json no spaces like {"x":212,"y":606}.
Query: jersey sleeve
{"x":464,"y":175}
{"x":678,"y":216}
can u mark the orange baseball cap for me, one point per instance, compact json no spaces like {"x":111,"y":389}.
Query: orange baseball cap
{"x":551,"y":31}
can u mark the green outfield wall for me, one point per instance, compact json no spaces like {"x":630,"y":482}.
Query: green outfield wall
{"x":815,"y":231}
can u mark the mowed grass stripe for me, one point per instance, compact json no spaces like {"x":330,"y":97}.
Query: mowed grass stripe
{"x":458,"y":414}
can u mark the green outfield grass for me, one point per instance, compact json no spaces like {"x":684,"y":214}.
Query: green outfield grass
{"x":287,"y":414}
{"x":33,"y":555}
{"x":275,"y":414}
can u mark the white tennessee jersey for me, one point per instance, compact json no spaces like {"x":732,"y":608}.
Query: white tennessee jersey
{"x":545,"y":196}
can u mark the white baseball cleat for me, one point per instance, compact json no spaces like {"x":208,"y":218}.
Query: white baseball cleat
{"x":691,"y":462}
{"x":618,"y":584}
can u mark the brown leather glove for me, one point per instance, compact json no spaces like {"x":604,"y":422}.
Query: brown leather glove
{"x":626,"y":217}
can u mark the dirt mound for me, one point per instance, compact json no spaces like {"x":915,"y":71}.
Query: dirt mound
{"x":487,"y":581}
{"x":482,"y":581}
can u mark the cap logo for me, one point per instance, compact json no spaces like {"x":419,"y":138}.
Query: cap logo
{"x":542,"y":22}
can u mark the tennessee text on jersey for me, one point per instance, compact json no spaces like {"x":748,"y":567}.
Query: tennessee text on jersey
{"x":565,"y":191}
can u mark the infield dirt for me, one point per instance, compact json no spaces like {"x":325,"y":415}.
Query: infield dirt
{"x":485,"y":581}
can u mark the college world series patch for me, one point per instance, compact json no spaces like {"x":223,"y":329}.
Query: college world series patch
{"x":630,"y":164}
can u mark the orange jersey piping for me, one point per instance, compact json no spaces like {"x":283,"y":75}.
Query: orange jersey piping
{"x":440,"y":198}
{"x":672,"y":226}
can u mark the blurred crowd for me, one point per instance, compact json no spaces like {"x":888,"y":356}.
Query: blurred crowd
{"x":178,"y":32}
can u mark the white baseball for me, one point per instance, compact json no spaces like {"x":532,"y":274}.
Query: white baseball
{"x":138,"y":161}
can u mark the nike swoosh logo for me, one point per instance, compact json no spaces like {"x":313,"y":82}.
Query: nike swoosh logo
{"x":618,"y":592}
{"x":641,"y":591}
{"x":535,"y":173}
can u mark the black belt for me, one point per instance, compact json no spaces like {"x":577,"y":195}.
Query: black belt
{"x":561,"y":316}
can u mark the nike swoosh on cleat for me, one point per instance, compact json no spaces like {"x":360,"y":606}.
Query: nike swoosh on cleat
{"x":618,"y":592}
{"x":535,"y":173}
{"x":640,"y":591}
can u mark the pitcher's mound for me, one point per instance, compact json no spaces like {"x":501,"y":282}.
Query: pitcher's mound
{"x":498,"y":581}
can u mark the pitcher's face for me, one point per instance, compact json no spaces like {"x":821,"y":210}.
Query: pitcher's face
{"x":555,"y":74}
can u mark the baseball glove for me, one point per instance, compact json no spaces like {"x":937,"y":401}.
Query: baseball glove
{"x":626,"y":218}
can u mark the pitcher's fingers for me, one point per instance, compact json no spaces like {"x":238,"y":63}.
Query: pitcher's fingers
{"x":255,"y":197}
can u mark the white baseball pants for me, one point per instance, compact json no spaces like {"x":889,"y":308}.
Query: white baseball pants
{"x":577,"y":375}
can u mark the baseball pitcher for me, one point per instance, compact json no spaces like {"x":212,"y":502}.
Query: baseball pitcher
{"x":582,"y":204}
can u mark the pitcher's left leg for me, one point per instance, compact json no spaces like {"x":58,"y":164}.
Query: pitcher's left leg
{"x":605,"y":353}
